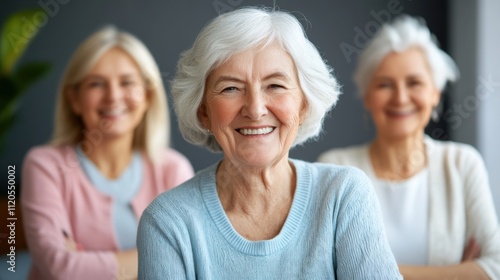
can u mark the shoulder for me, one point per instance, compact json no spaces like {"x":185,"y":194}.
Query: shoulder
{"x":344,"y":156}
{"x":457,"y":154}
{"x":171,"y":158}
{"x":178,"y":208}
{"x":51,"y":156}
{"x":183,"y":199}
{"x":322,"y":169}
{"x":173,"y":166}
{"x":48,"y":167}
{"x":337,"y":178}
{"x":47,"y":151}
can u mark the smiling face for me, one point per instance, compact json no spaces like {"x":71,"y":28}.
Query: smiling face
{"x":253,"y":105}
{"x":402,"y":94}
{"x":112,"y":97}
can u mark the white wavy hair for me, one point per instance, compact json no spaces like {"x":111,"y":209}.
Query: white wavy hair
{"x":236,"y":32}
{"x":403,"y":33}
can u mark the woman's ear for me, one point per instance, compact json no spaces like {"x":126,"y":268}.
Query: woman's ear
{"x":203,"y":116}
{"x":366,"y":101}
{"x":303,"y":111}
{"x":148,"y":94}
{"x":149,"y":90}
{"x":436,"y":97}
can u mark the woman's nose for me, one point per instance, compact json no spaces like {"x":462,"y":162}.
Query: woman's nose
{"x":401,"y":94}
{"x":255,"y":105}
{"x":114,"y":91}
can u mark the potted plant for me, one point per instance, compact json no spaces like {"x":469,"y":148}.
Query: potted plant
{"x":17,"y":32}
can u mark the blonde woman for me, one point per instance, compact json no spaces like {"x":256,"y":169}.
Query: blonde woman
{"x":84,"y":193}
{"x":435,"y":197}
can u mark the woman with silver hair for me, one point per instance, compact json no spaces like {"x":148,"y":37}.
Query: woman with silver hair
{"x":435,"y":196}
{"x":84,"y":193}
{"x":253,"y":86}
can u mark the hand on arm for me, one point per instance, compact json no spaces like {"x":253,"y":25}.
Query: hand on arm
{"x":472,"y":251}
{"x":127,"y":260}
{"x":54,"y":255}
{"x":467,"y":269}
{"x":127,"y":264}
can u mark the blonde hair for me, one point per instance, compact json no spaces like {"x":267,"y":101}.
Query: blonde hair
{"x":152,"y":134}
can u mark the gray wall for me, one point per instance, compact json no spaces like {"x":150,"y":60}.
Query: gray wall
{"x":168,"y":27}
{"x":489,"y":84}
{"x":475,"y":37}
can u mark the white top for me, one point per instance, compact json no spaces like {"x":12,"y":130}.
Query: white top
{"x":405,"y":208}
{"x":460,"y":201}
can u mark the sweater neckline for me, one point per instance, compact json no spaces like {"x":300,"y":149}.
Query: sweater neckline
{"x":290,"y":228}
{"x":146,"y":180}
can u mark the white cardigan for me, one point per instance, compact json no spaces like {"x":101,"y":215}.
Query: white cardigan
{"x":460,"y":201}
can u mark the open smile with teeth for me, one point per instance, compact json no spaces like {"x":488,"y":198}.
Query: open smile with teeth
{"x":112,"y":112}
{"x":258,"y":131}
{"x":401,"y":113}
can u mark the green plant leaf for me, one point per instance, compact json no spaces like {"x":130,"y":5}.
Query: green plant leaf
{"x":9,"y":98}
{"x":8,"y":110}
{"x":29,"y":73}
{"x":8,"y":91}
{"x":5,"y":126}
{"x":18,"y":30}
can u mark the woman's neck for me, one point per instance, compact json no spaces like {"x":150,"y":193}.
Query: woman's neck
{"x":256,"y":201}
{"x":250,"y":189}
{"x":398,"y":159}
{"x":111,"y":156}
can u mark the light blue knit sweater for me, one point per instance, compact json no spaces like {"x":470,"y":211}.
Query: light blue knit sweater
{"x":333,"y":231}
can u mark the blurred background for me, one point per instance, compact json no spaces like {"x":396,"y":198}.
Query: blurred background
{"x":467,"y":30}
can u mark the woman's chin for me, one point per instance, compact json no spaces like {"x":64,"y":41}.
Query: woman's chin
{"x":258,"y":160}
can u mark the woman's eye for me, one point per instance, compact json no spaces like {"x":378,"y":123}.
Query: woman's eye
{"x":276,"y":86}
{"x":128,"y":83}
{"x":414,"y":83}
{"x":228,"y":89}
{"x":384,"y":85}
{"x":95,"y":84}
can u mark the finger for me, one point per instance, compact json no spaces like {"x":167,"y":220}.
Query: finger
{"x":472,"y":250}
{"x":70,"y":245}
{"x":469,"y":250}
{"x":476,"y":249}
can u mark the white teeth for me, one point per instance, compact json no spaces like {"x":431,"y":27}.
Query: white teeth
{"x":113,"y":112}
{"x":401,"y":112}
{"x":258,"y":131}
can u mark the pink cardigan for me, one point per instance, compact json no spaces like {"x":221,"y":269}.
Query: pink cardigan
{"x":56,"y":195}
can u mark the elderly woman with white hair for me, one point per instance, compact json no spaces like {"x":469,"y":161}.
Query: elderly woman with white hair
{"x":83,"y":194}
{"x":253,"y":86}
{"x":435,"y":197}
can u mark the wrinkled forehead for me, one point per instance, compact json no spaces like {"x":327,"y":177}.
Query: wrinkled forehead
{"x":257,"y":64}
